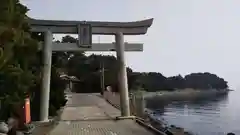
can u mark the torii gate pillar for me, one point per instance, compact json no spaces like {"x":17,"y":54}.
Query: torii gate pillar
{"x":46,"y":76}
{"x":122,"y":75}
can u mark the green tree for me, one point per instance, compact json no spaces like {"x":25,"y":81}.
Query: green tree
{"x":17,"y":52}
{"x":20,"y":62}
{"x":86,"y":68}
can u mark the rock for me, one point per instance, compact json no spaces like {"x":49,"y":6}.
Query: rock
{"x":29,"y":128}
{"x":3,"y":127}
{"x":13,"y":123}
{"x":177,"y":131}
{"x":19,"y":133}
{"x":10,"y":121}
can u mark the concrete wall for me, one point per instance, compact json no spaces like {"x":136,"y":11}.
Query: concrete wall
{"x":137,"y":104}
{"x":113,"y":98}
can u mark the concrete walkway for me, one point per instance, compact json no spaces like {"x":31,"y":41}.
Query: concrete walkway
{"x":89,"y":114}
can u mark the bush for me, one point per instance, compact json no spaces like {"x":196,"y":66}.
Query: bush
{"x":57,"y":96}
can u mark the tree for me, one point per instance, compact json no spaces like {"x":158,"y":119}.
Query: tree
{"x":69,"y":39}
{"x":205,"y":81}
{"x":175,"y":82}
{"x":17,"y":52}
{"x":20,"y":62}
{"x":87,"y":68}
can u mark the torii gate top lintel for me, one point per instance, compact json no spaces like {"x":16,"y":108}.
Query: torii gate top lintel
{"x":99,"y":27}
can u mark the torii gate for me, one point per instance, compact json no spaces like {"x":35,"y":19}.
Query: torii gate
{"x":85,"y":29}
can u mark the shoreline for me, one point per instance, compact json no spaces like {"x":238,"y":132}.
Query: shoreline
{"x":162,"y":125}
{"x":139,"y":103}
{"x":184,"y":91}
{"x":153,"y":100}
{"x":157,"y":99}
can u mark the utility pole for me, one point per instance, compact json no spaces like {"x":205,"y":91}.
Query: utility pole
{"x":101,"y":73}
{"x":102,"y":81}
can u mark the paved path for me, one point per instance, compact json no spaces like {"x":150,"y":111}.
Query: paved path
{"x":89,"y":114}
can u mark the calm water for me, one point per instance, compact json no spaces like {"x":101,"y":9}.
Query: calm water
{"x":212,"y":117}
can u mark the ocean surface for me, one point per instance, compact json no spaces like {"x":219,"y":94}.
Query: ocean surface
{"x":205,"y":117}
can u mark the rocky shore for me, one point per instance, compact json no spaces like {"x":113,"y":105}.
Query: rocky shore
{"x":162,"y":125}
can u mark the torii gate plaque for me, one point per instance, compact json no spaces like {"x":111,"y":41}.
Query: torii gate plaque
{"x":85,"y":29}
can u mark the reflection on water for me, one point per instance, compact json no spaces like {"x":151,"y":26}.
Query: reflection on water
{"x":205,"y":117}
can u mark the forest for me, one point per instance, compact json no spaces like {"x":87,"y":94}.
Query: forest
{"x":88,"y":70}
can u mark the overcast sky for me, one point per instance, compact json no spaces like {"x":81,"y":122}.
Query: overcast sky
{"x":186,"y":36}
